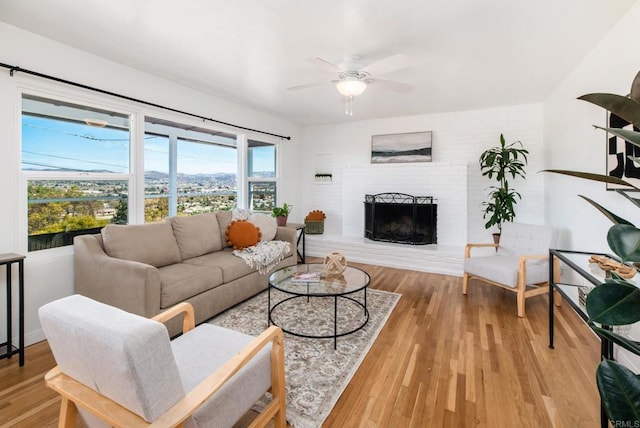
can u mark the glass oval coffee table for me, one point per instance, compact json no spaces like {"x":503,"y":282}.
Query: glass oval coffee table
{"x":340,"y":300}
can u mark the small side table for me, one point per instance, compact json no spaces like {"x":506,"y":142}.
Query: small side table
{"x":7,"y":349}
{"x":578,"y":262}
{"x":301,"y":237}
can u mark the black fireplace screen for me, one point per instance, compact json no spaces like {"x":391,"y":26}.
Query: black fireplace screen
{"x":397,"y":217}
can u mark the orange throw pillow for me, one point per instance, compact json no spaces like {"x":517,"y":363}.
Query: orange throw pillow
{"x":315,"y":215}
{"x":242,"y":234}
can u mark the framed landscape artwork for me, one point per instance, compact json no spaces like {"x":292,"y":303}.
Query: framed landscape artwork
{"x":396,"y":148}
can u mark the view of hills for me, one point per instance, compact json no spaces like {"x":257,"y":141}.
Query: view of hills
{"x":221,"y":177}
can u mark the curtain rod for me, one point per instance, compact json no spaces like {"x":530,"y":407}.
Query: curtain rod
{"x":14,"y":68}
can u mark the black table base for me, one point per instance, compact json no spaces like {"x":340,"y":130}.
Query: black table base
{"x":7,"y":349}
{"x":335,"y":334}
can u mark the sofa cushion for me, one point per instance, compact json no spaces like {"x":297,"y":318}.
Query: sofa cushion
{"x":197,"y":234}
{"x":242,"y":234}
{"x":181,"y":281}
{"x":224,"y":218}
{"x":232,"y":267}
{"x":266,"y":224}
{"x":152,"y":243}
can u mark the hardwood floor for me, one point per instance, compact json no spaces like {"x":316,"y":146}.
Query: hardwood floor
{"x":442,"y":360}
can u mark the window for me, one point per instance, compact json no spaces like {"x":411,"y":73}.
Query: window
{"x":77,"y":164}
{"x":261,"y":175}
{"x":188,"y":170}
{"x":61,"y":209}
{"x":76,"y":161}
{"x":156,"y":177}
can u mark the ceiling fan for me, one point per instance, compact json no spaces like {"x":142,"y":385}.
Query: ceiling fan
{"x":353,"y":77}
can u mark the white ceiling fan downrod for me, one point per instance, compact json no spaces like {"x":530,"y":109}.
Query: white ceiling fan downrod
{"x":348,"y":105}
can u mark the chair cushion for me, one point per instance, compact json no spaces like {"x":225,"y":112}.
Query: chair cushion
{"x":232,"y":267}
{"x":519,"y":239}
{"x":151,"y":243}
{"x":182,"y":281}
{"x":200,"y":352}
{"x":504,"y":269}
{"x":123,"y":356}
{"x":196,"y":235}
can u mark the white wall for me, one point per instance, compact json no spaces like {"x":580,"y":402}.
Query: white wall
{"x":458,"y":139}
{"x":445,"y":181}
{"x":49,"y":274}
{"x":570,"y":142}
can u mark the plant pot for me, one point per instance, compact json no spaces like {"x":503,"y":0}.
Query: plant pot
{"x":281,"y":220}
{"x":496,"y":238}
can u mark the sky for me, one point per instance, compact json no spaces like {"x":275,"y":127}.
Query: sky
{"x":54,"y":144}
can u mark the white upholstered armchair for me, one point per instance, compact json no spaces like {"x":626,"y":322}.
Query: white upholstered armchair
{"x":520,"y":263}
{"x":120,"y":369}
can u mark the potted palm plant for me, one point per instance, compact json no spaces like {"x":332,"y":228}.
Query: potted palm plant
{"x":617,"y":301}
{"x":281,"y":214}
{"x":501,"y":162}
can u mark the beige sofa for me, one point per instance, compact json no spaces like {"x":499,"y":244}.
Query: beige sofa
{"x":147,"y":268}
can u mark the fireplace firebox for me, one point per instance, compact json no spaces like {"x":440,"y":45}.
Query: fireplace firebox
{"x":401,"y":218}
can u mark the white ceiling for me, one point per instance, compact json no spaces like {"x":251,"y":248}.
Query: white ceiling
{"x":464,"y":54}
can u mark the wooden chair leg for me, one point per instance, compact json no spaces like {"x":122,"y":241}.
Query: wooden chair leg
{"x":521,"y":301}
{"x":465,"y":283}
{"x":281,"y":416}
{"x":278,"y":380}
{"x":521,"y":288}
{"x":68,"y":412}
{"x":557,"y":298}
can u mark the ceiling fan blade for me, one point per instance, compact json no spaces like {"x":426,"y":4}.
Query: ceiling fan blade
{"x":307,"y":85}
{"x":326,"y":65}
{"x":390,"y":85}
{"x":387,"y":65}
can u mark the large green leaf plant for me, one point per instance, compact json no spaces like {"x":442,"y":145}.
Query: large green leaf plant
{"x":500,"y":162}
{"x":617,"y":301}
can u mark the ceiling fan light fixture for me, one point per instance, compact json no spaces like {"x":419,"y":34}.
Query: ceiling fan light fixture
{"x":351,"y":87}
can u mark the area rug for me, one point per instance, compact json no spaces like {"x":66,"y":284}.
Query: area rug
{"x":316,"y":374}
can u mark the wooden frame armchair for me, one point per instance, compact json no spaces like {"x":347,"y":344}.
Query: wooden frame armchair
{"x":209,"y":376}
{"x":520,"y":263}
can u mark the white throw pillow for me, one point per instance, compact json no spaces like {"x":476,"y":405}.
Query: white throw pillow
{"x":266,"y":224}
{"x":240,"y":214}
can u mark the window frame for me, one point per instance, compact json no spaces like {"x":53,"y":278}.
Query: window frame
{"x":26,"y":176}
{"x":184,"y":136}
{"x":251,"y":179}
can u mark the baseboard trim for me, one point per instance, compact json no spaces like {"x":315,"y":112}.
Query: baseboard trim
{"x":440,"y":259}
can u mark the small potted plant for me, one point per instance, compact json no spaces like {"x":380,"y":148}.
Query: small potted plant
{"x":281,"y":214}
{"x":502,"y":161}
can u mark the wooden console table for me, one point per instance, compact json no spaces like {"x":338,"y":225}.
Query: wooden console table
{"x":7,"y":349}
